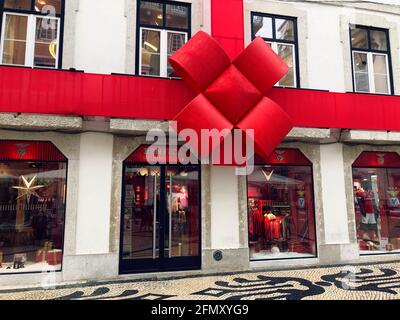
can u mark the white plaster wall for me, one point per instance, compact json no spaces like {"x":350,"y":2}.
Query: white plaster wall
{"x":334,"y":195}
{"x":94,"y":194}
{"x":325,"y":53}
{"x":224,"y":208}
{"x":100,"y":40}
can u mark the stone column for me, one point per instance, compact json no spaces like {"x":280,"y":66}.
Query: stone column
{"x":92,"y":259}
{"x":225,"y":222}
{"x":336,"y":247}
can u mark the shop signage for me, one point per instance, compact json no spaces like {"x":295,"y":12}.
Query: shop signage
{"x":284,"y":156}
{"x":377,"y":159}
{"x":11,"y":150}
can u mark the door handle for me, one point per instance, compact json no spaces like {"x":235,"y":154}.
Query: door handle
{"x":155,"y":218}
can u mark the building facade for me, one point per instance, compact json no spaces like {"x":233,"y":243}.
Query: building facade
{"x":83,"y":81}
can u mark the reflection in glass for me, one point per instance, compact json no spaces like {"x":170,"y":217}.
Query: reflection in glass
{"x":48,"y":6}
{"x":377,"y":209}
{"x":32,"y":209}
{"x":151,"y":13}
{"x":285,"y":51}
{"x":141,"y":205}
{"x":284,"y":29}
{"x":361,"y":72}
{"x":18,"y":4}
{"x":175,"y":41}
{"x":281,"y":214}
{"x":46,"y":41}
{"x":380,"y":73}
{"x":177,"y":16}
{"x":262,"y":27}
{"x":359,"y":38}
{"x":378,"y":40}
{"x":14,"y":47}
{"x":150,"y":52}
{"x":182,"y":214}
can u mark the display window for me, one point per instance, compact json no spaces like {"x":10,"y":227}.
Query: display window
{"x":160,"y":216}
{"x":33,"y":181}
{"x":281,"y":207}
{"x":376,"y":182}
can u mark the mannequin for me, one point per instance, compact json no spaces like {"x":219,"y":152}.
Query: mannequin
{"x":365,"y":198}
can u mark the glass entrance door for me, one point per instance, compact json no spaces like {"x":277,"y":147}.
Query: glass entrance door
{"x":160,"y":209}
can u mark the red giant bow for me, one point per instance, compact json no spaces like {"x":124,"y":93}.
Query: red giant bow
{"x":232,"y":94}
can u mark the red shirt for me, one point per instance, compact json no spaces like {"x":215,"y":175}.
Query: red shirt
{"x":369,"y":200}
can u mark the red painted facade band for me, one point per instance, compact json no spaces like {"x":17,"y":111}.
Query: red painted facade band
{"x":24,"y":90}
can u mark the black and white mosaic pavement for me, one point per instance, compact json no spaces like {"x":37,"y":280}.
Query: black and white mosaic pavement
{"x":349,"y":282}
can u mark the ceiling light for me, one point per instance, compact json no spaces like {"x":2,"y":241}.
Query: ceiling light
{"x":151,"y":46}
{"x":52,"y":48}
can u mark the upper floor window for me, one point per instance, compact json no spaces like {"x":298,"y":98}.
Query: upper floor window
{"x":30,"y":32}
{"x":163,"y":28}
{"x":281,"y":34}
{"x":370,"y":52}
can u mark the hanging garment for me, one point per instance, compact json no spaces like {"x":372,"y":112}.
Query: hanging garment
{"x":272,"y":228}
{"x":255,"y":223}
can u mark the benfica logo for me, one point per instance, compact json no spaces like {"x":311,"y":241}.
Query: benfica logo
{"x":381,"y":158}
{"x":21,"y":149}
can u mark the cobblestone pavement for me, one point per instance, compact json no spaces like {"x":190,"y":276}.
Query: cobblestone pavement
{"x":351,"y":283}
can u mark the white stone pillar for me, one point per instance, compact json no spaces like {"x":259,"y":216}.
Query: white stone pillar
{"x":224,"y":208}
{"x":94,"y":194}
{"x":334,"y":195}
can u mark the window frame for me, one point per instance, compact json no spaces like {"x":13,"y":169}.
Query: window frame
{"x":32,"y":15}
{"x":275,"y":42}
{"x":370,"y":52}
{"x":163,"y":31}
{"x":163,"y":50}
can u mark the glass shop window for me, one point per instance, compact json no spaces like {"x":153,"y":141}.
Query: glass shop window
{"x":161,"y":214}
{"x":31,"y":33}
{"x":376,"y":177}
{"x":370,"y":53}
{"x":33,"y":181}
{"x":281,"y":208}
{"x":163,"y":29}
{"x":281,"y":34}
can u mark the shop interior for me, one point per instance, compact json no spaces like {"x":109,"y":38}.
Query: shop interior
{"x":32,"y":209}
{"x":377,"y":209}
{"x":142,"y":201}
{"x":281,"y":213}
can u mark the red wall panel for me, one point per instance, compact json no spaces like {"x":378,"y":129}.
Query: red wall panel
{"x":227,"y":21}
{"x":24,"y":90}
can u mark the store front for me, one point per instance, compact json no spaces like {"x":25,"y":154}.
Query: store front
{"x":281,"y":208}
{"x":33,"y":181}
{"x":160,"y":222}
{"x":376,"y":182}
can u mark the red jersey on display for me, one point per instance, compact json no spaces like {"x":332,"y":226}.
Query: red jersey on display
{"x":368,"y":199}
{"x":256,"y":221}
{"x":272,"y":228}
